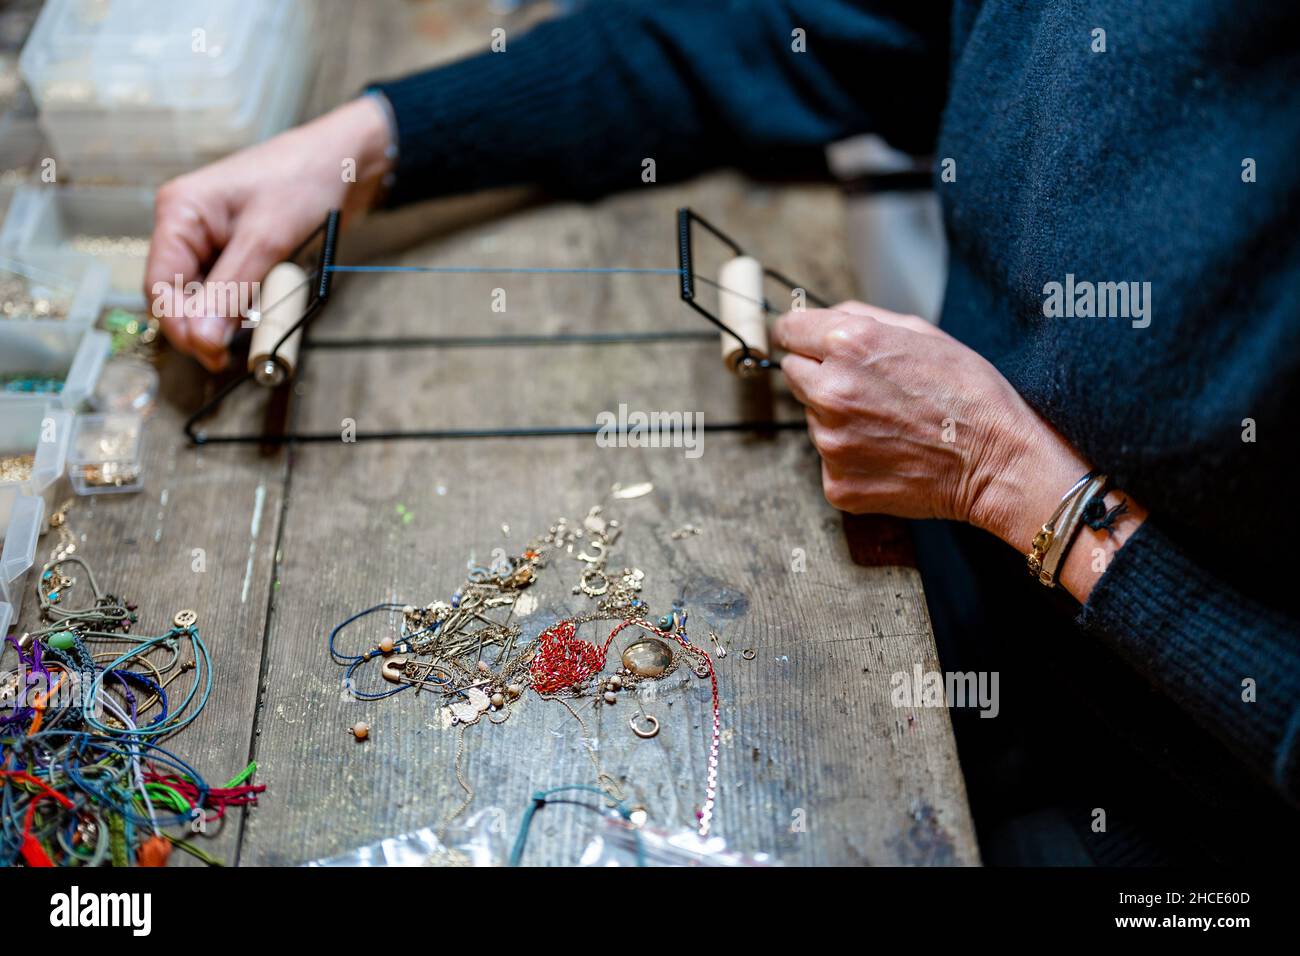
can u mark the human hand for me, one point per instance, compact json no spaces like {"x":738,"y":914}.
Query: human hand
{"x":231,"y":221}
{"x":910,"y":422}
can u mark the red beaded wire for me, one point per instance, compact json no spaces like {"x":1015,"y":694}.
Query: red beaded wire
{"x":563,"y":659}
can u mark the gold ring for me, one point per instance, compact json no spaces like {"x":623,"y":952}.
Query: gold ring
{"x":644,"y":734}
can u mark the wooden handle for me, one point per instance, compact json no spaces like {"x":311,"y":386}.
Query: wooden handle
{"x":284,"y":296}
{"x":740,"y":306}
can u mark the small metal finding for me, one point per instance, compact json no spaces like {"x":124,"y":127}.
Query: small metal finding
{"x":646,"y":733}
{"x":749,"y":653}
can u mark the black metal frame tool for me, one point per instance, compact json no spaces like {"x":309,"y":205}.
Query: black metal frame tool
{"x":322,"y":282}
{"x":746,"y":360}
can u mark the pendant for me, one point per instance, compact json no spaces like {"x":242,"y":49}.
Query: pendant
{"x":648,"y":657}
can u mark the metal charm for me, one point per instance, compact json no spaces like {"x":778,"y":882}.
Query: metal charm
{"x":648,"y":732}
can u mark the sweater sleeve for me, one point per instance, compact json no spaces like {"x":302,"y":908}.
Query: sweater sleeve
{"x":1199,"y":641}
{"x":576,"y":104}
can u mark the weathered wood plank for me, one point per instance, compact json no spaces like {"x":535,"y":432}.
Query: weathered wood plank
{"x":200,"y":535}
{"x":811,"y":738}
{"x":807,"y":723}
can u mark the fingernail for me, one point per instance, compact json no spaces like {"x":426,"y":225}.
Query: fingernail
{"x":213,"y":331}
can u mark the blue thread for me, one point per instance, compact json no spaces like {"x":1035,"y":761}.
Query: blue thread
{"x":526,"y":270}
{"x":355,"y":661}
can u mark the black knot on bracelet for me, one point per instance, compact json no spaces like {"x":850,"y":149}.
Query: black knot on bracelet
{"x":1098,"y":518}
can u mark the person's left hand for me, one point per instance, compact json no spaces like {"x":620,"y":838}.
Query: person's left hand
{"x":910,"y":422}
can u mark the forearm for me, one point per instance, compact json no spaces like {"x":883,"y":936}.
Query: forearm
{"x":577,"y":105}
{"x":1231,"y":663}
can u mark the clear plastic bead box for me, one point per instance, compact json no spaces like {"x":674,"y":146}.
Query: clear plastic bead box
{"x":140,"y":90}
{"x":55,"y":366}
{"x":110,"y":224}
{"x":34,"y":449}
{"x":23,"y":529}
{"x":107,"y":453}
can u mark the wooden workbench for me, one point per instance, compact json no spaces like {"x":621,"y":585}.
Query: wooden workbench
{"x":817,"y":766}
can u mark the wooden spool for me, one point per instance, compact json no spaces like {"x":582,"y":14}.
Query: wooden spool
{"x":285,"y":293}
{"x":740,"y":306}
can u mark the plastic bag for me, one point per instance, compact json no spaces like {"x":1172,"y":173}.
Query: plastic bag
{"x":480,"y":841}
{"x":616,"y":845}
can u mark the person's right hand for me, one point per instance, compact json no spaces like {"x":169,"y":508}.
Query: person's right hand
{"x":235,"y":219}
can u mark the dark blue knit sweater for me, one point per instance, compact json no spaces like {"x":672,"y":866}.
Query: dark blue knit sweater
{"x":1115,"y":166}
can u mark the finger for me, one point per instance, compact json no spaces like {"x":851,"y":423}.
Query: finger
{"x":800,"y":374}
{"x":819,"y":433}
{"x":182,"y":245}
{"x":913,"y":323}
{"x":804,"y":332}
{"x":246,"y":259}
{"x":846,"y":490}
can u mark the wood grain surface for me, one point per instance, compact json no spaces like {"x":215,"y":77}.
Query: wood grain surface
{"x":817,"y":766}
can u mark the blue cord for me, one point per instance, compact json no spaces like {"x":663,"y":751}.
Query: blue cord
{"x":526,"y":270}
{"x":355,"y":661}
{"x":202,"y":662}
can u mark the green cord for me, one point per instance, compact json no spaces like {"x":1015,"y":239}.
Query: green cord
{"x":174,"y":797}
{"x":193,"y":850}
{"x":240,"y":777}
{"x":117,"y":839}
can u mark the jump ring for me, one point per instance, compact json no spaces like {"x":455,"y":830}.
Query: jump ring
{"x":644,"y":734}
{"x":593,"y":590}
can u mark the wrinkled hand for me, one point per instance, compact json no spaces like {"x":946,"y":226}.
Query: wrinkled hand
{"x":233,"y":220}
{"x":907,"y":420}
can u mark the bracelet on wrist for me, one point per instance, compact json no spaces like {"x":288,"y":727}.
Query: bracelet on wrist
{"x":1052,"y":543}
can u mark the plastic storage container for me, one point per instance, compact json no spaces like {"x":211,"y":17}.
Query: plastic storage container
{"x":138,"y":91}
{"x":44,"y":434}
{"x":18,"y":554}
{"x":55,"y":366}
{"x":6,"y":617}
{"x":106,"y":453}
{"x":110,"y":224}
{"x":73,"y":285}
{"x":20,"y":136}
